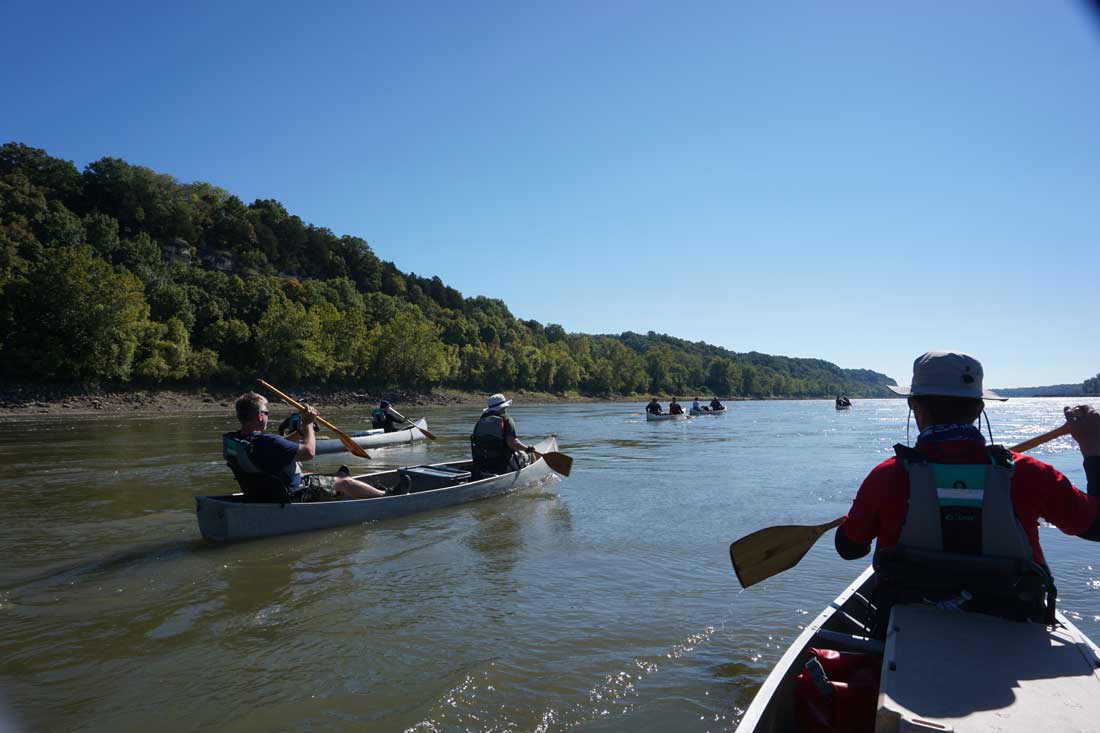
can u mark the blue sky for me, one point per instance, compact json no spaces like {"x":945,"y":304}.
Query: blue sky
{"x":858,"y":182}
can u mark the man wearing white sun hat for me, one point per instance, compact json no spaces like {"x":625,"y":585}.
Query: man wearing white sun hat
{"x":494,"y":445}
{"x":954,"y":508}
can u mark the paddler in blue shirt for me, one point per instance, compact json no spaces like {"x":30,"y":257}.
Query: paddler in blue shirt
{"x":266,"y":466}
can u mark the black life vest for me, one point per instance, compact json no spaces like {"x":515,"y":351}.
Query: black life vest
{"x":257,"y":484}
{"x":488,"y":447}
{"x":382,"y":419}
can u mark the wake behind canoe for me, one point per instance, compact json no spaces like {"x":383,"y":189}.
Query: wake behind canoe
{"x":229,"y":517}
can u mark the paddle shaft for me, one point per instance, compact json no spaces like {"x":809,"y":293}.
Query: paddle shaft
{"x":426,"y":432}
{"x":1040,"y":439}
{"x":350,"y":444}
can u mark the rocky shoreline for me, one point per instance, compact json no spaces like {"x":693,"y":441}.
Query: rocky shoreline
{"x":73,"y":400}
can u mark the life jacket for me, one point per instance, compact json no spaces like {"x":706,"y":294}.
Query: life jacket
{"x":257,"y":484}
{"x":961,"y":533}
{"x":378,"y":418}
{"x":488,"y":447}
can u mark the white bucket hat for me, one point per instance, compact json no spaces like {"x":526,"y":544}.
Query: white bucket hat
{"x":497,"y":402}
{"x":947,"y":374}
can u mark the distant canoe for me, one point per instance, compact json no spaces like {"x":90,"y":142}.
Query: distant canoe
{"x":375,"y":438}
{"x":843,"y":406}
{"x":721,"y":411}
{"x":229,"y":517}
{"x":650,"y":417}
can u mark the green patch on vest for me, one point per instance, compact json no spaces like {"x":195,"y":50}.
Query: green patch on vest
{"x":959,"y":485}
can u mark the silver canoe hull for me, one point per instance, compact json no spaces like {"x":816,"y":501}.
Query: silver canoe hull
{"x":375,"y":438}
{"x":228,"y":518}
{"x":650,"y":417}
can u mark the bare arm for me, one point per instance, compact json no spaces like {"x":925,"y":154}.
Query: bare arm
{"x":308,"y":449}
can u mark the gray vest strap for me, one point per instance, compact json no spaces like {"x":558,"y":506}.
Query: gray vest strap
{"x":922,"y":527}
{"x":1002,"y":533}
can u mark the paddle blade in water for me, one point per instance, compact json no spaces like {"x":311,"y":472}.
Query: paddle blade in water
{"x":769,"y":551}
{"x":558,"y":462}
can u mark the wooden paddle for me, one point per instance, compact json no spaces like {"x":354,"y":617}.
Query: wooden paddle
{"x":410,"y":422}
{"x":558,"y":462}
{"x":353,"y":447}
{"x":772,"y":550}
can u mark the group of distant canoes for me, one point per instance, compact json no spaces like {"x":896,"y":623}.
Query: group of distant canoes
{"x":654,"y":412}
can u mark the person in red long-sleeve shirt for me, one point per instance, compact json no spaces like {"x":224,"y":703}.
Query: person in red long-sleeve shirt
{"x":946,"y":398}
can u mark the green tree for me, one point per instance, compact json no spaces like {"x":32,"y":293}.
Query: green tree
{"x":164,"y":352}
{"x":410,"y":352}
{"x":289,"y":336}
{"x":74,"y":318}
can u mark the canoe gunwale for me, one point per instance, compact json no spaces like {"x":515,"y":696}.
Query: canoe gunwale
{"x":760,"y":710}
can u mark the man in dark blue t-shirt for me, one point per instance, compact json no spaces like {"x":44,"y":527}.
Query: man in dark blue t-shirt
{"x":268,"y":464}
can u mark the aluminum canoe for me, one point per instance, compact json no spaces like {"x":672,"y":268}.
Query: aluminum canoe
{"x":650,"y":417}
{"x":228,"y":517}
{"x":715,"y":413}
{"x":377,"y":438}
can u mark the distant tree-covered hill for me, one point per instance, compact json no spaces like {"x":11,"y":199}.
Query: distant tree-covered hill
{"x":118,"y":273}
{"x":1053,"y":390}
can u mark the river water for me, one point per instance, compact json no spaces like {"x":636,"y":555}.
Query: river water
{"x":601,"y":602}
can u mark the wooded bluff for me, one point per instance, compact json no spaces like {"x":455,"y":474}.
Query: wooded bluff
{"x":119,"y":274}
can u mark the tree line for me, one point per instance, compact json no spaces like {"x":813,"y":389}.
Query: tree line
{"x":118,"y":274}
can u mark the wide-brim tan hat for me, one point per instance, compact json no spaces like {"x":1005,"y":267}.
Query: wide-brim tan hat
{"x":947,"y":374}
